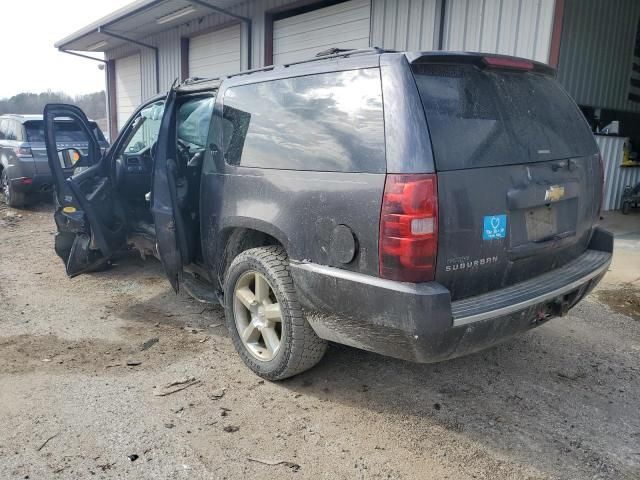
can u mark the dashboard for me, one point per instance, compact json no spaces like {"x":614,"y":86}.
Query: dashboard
{"x":133,"y":172}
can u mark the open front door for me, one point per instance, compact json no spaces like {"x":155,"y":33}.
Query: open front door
{"x":171,"y":235}
{"x":91,"y":223}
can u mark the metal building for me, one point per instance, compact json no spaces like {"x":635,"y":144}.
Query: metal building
{"x":150,"y":43}
{"x":595,"y":45}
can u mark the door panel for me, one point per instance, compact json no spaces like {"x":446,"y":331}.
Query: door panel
{"x":503,"y":225}
{"x":89,"y":217}
{"x":170,"y":229}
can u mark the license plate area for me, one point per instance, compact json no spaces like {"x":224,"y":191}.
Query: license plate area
{"x":541,"y":223}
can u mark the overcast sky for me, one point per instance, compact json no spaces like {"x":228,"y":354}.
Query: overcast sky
{"x":28,"y":30}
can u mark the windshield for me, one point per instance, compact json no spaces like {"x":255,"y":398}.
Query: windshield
{"x":194,"y":117}
{"x":481,"y":118}
{"x":145,"y":128}
{"x":66,"y":131}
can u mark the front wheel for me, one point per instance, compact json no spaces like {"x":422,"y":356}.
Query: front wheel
{"x":264,"y":317}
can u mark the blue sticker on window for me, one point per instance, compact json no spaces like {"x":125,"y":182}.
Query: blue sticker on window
{"x":495,"y":227}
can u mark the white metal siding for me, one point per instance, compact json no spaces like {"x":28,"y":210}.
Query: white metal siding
{"x":216,"y":53}
{"x":128,"y":87}
{"x":512,"y":27}
{"x":388,"y":30}
{"x":596,"y":52}
{"x":345,"y":25}
{"x":411,"y":25}
{"x":505,"y":26}
{"x":615,"y":176}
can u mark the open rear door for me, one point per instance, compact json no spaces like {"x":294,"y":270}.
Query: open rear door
{"x":171,"y":236}
{"x":90,"y":220}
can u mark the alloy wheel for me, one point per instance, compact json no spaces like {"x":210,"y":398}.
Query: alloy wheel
{"x":257,"y":315}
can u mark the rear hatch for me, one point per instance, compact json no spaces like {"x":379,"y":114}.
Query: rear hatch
{"x":68,"y":134}
{"x":519,"y":179}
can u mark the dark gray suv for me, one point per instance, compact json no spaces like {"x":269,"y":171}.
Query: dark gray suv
{"x":418,"y":205}
{"x":24,"y":170}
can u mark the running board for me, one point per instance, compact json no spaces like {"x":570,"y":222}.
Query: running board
{"x":201,"y":290}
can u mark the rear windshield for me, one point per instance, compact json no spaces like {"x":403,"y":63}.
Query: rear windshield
{"x":66,"y":131}
{"x":482,"y":118}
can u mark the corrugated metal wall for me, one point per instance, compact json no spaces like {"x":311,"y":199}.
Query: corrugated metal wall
{"x":512,"y":27}
{"x":596,"y":51}
{"x":615,"y":176}
{"x":168,"y":43}
{"x":486,"y":25}
{"x":411,"y":25}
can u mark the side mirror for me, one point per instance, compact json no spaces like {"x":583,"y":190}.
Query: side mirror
{"x":72,"y":158}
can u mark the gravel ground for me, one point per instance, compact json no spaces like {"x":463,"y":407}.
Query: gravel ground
{"x":558,"y":402}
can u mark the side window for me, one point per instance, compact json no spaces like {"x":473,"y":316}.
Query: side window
{"x":145,"y":129}
{"x":3,"y":128}
{"x":10,"y":132}
{"x":194,"y":117}
{"x":21,"y":135}
{"x":324,"y":122}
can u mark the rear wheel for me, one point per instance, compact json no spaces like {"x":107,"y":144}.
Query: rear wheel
{"x":11,"y":197}
{"x":264,"y":317}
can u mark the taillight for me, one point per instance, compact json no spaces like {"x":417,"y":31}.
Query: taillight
{"x":409,"y":228}
{"x":22,"y":151}
{"x":506,"y":62}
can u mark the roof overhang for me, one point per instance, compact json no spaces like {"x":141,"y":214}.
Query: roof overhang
{"x":138,"y":20}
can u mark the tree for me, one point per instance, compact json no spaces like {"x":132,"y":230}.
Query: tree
{"x":93,"y":104}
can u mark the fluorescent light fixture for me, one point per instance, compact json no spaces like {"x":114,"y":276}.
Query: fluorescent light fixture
{"x":96,"y":46}
{"x":177,"y":14}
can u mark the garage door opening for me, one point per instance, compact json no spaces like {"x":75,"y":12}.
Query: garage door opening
{"x":216,"y":53}
{"x":300,"y":37}
{"x":128,"y":88}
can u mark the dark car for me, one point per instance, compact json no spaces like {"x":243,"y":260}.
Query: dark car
{"x":24,"y":169}
{"x":418,"y":205}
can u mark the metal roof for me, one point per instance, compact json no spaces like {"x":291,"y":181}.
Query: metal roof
{"x":138,"y":20}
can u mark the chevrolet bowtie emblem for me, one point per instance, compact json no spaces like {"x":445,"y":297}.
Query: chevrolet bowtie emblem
{"x":554,"y":193}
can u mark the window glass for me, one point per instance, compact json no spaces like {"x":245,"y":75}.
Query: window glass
{"x":10,"y":132}
{"x":194,"y":117}
{"x":65,"y":131}
{"x":3,"y":128}
{"x":481,"y":118}
{"x":325,"y":122}
{"x":145,"y":129}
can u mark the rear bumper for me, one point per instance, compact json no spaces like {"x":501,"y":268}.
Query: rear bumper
{"x":40,"y":183}
{"x":418,"y":322}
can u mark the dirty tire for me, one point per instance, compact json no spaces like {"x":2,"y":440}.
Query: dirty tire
{"x":11,"y":198}
{"x":626,"y":207}
{"x":300,"y":347}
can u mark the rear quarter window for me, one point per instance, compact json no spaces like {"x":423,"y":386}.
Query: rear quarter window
{"x":66,"y":131}
{"x":482,"y":118}
{"x":324,"y":122}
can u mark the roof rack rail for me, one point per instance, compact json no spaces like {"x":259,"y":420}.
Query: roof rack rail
{"x":340,"y":52}
{"x":324,"y":55}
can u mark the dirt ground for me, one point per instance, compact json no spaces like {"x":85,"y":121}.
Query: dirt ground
{"x":559,"y":402}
